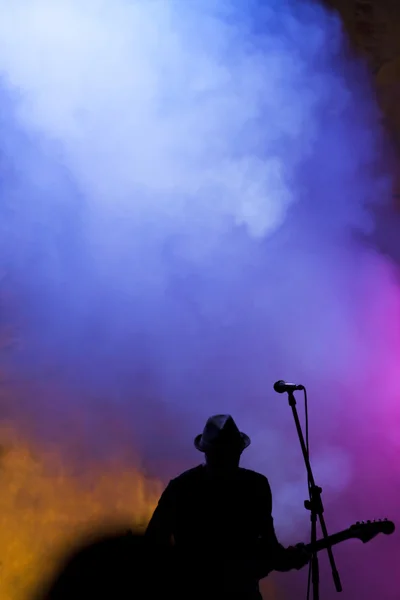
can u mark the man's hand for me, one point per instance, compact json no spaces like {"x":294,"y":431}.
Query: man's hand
{"x":298,"y":557}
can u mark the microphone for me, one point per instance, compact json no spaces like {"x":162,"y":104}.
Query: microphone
{"x":281,"y":387}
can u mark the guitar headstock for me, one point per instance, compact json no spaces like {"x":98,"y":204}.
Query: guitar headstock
{"x":367,"y":530}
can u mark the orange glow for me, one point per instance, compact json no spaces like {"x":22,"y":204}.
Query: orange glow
{"x":44,"y":508}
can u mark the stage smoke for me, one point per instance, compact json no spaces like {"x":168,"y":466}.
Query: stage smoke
{"x":186,"y":191}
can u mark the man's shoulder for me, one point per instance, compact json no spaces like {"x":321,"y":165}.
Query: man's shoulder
{"x":195,"y":477}
{"x":253,"y":477}
{"x":188,"y":476}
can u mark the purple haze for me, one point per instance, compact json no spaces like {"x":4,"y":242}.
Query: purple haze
{"x":186,"y":191}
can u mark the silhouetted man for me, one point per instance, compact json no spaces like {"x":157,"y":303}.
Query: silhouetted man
{"x":218,"y":517}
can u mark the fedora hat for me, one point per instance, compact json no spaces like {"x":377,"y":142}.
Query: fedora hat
{"x":221,"y":431}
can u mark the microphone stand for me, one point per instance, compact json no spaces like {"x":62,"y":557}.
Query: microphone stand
{"x":316,"y":508}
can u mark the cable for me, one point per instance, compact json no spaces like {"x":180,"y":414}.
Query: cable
{"x":308,"y":481}
{"x":306,"y":419}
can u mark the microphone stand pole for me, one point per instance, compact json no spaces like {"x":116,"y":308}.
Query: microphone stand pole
{"x":316,"y":508}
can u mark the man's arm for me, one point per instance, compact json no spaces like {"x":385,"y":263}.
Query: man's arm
{"x":279,"y":557}
{"x":270,"y":546}
{"x":161,"y":526}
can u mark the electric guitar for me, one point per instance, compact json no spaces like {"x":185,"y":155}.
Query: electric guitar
{"x":364,"y":531}
{"x":179,"y":571}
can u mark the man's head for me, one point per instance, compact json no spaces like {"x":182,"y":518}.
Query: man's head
{"x":222,"y":442}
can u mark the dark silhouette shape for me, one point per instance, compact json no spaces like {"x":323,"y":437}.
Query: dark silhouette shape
{"x":218,"y":517}
{"x":113,"y":566}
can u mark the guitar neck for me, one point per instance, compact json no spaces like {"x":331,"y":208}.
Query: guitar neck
{"x":331,"y":540}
